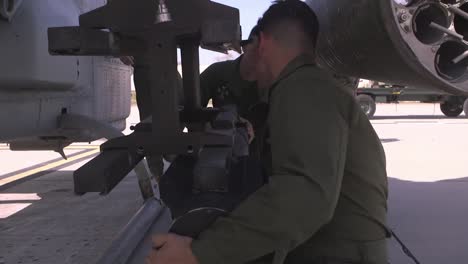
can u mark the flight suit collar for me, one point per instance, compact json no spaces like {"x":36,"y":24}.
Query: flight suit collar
{"x":297,"y":63}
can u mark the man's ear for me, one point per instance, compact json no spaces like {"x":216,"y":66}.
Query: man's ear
{"x":262,"y":42}
{"x":255,"y":42}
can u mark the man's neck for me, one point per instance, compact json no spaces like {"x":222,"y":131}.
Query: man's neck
{"x":282,"y":61}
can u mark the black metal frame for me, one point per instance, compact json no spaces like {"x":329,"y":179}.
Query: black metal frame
{"x":128,"y":27}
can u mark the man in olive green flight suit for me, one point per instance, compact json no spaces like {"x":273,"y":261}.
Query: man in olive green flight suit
{"x":326,"y":201}
{"x":232,"y":81}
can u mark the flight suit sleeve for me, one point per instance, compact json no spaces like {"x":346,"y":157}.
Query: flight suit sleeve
{"x":309,"y":141}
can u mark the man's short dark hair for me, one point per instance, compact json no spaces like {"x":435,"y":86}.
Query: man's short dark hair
{"x":253,"y":33}
{"x":293,"y":11}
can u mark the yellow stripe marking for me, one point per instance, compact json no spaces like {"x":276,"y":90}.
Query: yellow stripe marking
{"x":82,"y":147}
{"x":69,"y":147}
{"x":46,"y":167}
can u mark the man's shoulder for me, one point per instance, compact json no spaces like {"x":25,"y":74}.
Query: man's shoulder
{"x":217,"y":73}
{"x":320,"y":80}
{"x":308,"y":79}
{"x":223,"y":66}
{"x":315,"y":87}
{"x":312,"y":73}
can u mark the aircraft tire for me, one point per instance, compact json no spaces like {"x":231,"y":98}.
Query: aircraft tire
{"x":465,"y":107}
{"x":451,"y":109}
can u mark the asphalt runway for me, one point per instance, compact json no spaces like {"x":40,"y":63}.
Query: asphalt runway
{"x":42,"y":221}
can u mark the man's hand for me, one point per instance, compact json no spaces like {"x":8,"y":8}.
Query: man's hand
{"x":250,"y":130}
{"x":171,"y":249}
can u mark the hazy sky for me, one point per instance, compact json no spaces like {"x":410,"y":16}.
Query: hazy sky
{"x":250,"y":11}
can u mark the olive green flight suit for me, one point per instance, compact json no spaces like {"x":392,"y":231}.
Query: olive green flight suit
{"x":223,"y":83}
{"x":326,"y":201}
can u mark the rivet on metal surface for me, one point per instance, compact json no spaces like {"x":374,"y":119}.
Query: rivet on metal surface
{"x":190,"y":149}
{"x":407,"y":28}
{"x":140,"y":151}
{"x":403,"y":17}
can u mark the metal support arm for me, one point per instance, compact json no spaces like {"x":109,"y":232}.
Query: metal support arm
{"x":126,"y":27}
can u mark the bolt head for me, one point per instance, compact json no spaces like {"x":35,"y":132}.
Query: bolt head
{"x":404,"y":17}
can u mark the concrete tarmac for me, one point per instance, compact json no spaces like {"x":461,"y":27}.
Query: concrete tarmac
{"x":42,"y":221}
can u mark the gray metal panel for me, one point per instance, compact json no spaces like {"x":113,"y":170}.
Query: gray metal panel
{"x":25,"y":59}
{"x":11,"y":112}
{"x":35,"y":86}
{"x":112,"y":98}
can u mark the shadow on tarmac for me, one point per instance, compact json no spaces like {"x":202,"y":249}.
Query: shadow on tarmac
{"x":431,"y":218}
{"x":413,"y":117}
{"x":389,"y":140}
{"x":61,"y":227}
